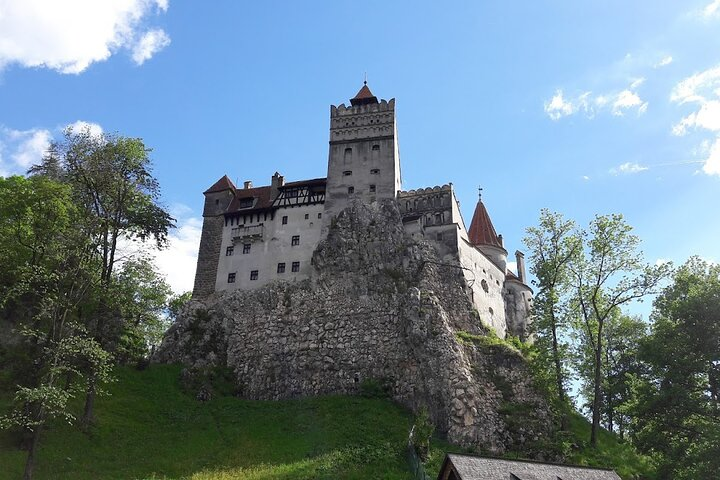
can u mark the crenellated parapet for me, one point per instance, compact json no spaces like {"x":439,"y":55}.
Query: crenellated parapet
{"x":374,"y":120}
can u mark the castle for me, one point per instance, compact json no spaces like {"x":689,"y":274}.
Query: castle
{"x":255,"y":235}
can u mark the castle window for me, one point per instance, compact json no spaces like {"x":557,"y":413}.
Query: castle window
{"x":296,"y":267}
{"x":484,"y":286}
{"x":217,"y":201}
{"x":320,"y":215}
{"x":351,"y":190}
{"x":284,"y":220}
{"x":246,"y":202}
{"x":347,"y":156}
{"x":253,"y":275}
{"x":347,"y":173}
{"x":307,"y":216}
{"x":229,"y":251}
{"x":281,"y":268}
{"x":375,"y":171}
{"x":246,"y":248}
{"x":372,"y":188}
{"x":438,"y":218}
{"x":375,"y":152}
{"x":440,"y":237}
{"x":231,"y":278}
{"x":295,"y":240}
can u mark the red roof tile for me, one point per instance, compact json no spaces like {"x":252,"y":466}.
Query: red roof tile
{"x":481,"y":230}
{"x":363,"y":97}
{"x":262,"y":196}
{"x":223,"y":184}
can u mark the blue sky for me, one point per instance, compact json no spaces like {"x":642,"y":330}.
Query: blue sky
{"x":580,"y":107}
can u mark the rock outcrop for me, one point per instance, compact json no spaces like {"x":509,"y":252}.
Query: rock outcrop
{"x":381,"y":307}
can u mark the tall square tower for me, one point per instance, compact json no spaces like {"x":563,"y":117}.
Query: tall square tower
{"x":364,"y":159}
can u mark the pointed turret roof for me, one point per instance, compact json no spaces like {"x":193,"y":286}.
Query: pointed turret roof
{"x":223,"y":184}
{"x":363,"y":97}
{"x":481,"y":230}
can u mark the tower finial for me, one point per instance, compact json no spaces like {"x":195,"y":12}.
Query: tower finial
{"x":480,"y":190}
{"x":365,"y":81}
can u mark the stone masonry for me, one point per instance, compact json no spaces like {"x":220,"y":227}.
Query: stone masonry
{"x":381,"y":305}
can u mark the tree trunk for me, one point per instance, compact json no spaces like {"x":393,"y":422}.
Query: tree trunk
{"x":30,"y":462}
{"x":596,"y":388}
{"x":559,"y":376}
{"x":88,"y":413}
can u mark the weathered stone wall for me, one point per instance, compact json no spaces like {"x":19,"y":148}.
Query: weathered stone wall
{"x":381,"y":306}
{"x":208,"y":256}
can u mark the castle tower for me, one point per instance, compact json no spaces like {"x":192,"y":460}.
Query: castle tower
{"x":483,"y":236}
{"x":217,"y":200}
{"x":364,"y":160}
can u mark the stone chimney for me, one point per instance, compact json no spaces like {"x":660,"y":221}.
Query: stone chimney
{"x":520,"y":258}
{"x":276,"y":182}
{"x":247,"y":184}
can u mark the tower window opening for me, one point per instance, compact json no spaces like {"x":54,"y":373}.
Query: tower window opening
{"x":246,"y":248}
{"x":307,"y":216}
{"x":347,"y":173}
{"x":253,"y":275}
{"x":347,"y":156}
{"x":295,"y":267}
{"x":351,"y":190}
{"x":284,"y":220}
{"x":229,"y":251}
{"x":281,"y":268}
{"x":295,"y":240}
{"x":375,"y":171}
{"x":372,"y":188}
{"x":231,"y":278}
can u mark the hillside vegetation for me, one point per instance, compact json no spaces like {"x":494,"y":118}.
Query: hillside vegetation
{"x":148,"y":428}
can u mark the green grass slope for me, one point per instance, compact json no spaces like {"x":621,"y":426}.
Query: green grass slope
{"x":148,"y":428}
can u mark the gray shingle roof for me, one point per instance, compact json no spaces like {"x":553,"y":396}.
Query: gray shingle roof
{"x":482,"y":468}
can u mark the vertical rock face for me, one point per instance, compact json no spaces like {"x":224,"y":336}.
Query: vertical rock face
{"x":380,"y":307}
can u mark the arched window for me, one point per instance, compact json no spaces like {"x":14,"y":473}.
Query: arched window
{"x":347,"y":157}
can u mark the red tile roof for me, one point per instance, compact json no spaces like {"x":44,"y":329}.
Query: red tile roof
{"x":481,"y":230}
{"x":223,"y":184}
{"x":262,"y":196}
{"x":363,"y":97}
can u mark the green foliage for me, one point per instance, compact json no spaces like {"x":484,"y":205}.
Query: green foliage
{"x":512,"y":345}
{"x":676,"y":407}
{"x":375,"y":388}
{"x":148,"y":428}
{"x":422,"y":431}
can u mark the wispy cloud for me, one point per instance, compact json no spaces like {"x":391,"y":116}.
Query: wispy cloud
{"x":628,"y":168}
{"x":664,"y":62}
{"x":618,"y":103}
{"x":712,"y":9}
{"x":20,"y":149}
{"x":703,"y":91}
{"x":70,"y":36}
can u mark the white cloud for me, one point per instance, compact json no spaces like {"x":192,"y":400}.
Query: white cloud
{"x":512,"y":266}
{"x":585,"y":177}
{"x":665,"y":61}
{"x":589,"y":104}
{"x":150,"y":43}
{"x":557,"y":107}
{"x":23,"y":148}
{"x":703,"y":90}
{"x":81,"y":125}
{"x":179,"y":260}
{"x":628,"y":168}
{"x":712,"y":9}
{"x":69,"y":36}
{"x":627,"y":100}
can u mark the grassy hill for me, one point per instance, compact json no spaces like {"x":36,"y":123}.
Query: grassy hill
{"x":149,"y":429}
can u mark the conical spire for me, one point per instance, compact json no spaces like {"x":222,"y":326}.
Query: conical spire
{"x":481,"y":230}
{"x":364,"y":96}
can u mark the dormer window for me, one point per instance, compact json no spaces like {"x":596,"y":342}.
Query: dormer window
{"x":246,"y":202}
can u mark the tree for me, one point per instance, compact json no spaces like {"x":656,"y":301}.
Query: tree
{"x":553,"y":245}
{"x":609,"y":274}
{"x":111,"y":180}
{"x":47,"y":273}
{"x":677,"y":406}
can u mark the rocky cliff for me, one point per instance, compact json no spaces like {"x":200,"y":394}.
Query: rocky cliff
{"x":381,"y":308}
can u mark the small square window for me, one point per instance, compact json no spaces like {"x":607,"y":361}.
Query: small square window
{"x":281,"y":268}
{"x":439,"y":237}
{"x":347,"y":173}
{"x":284,"y":220}
{"x":307,"y":216}
{"x":351,"y":190}
{"x":375,"y":171}
{"x":231,"y":278}
{"x":246,"y":248}
{"x":320,"y":215}
{"x":372,"y":188}
{"x":296,"y":266}
{"x":254,"y":275}
{"x":295,"y":240}
{"x":229,"y":251}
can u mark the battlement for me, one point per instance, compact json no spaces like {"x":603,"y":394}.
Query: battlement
{"x":424,"y":191}
{"x":343,"y":111}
